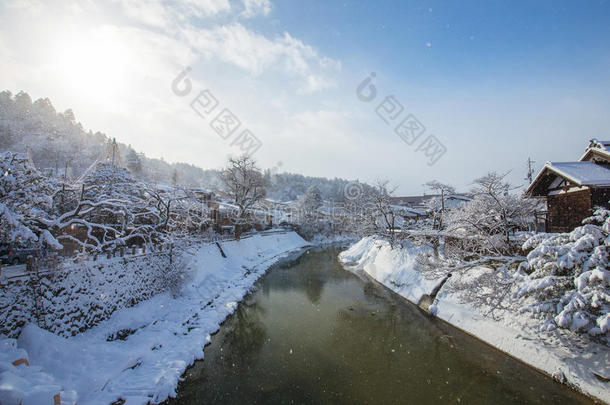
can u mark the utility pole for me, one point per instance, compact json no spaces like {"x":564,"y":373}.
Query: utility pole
{"x":530,"y":170}
{"x":113,"y":149}
{"x":530,"y":178}
{"x":440,"y":220}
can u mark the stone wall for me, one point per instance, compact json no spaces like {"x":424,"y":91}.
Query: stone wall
{"x":78,"y":296}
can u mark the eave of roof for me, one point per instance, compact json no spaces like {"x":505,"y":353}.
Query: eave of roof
{"x":602,"y":152}
{"x":552,"y":167}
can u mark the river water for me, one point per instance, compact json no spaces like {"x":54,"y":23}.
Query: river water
{"x":316,"y":333}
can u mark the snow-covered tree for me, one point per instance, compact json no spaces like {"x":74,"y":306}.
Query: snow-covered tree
{"x":108,"y":208}
{"x":133,"y":162}
{"x":568,"y":276}
{"x":437,"y":204}
{"x":486,"y":225}
{"x":372,"y":212}
{"x":25,"y":195}
{"x":309,"y":203}
{"x":244,"y":182}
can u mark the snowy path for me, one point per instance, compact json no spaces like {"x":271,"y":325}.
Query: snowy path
{"x":162,"y":336}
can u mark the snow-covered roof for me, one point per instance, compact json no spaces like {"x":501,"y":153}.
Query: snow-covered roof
{"x":409,"y":212}
{"x":597,"y":149}
{"x":578,"y":173}
{"x":223,"y":206}
{"x":458,"y":197}
{"x":582,"y":173}
{"x":600,"y":144}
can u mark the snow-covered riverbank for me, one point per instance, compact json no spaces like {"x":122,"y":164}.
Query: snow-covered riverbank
{"x":489,"y":314}
{"x":139,"y":353}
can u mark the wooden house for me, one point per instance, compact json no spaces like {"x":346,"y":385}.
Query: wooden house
{"x":574,"y":189}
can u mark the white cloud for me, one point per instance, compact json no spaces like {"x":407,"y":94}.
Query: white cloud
{"x":162,"y":14}
{"x":257,"y":54}
{"x":315,"y":84}
{"x":253,"y":8}
{"x":204,"y":8}
{"x":31,"y":6}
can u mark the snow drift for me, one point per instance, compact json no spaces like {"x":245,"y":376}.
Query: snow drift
{"x":395,"y":268}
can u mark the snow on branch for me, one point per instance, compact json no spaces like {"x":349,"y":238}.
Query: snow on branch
{"x":568,"y":275}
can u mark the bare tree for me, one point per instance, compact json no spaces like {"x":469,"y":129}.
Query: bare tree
{"x":243,"y":180}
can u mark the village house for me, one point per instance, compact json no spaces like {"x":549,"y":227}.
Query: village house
{"x":574,"y":189}
{"x":421,"y":203}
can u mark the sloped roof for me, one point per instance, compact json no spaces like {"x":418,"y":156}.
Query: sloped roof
{"x":578,"y":173}
{"x":412,"y":200}
{"x":597,"y":149}
{"x":461,"y":197}
{"x":600,"y":144}
{"x":583,"y":173}
{"x":419,"y":200}
{"x":409,"y":212}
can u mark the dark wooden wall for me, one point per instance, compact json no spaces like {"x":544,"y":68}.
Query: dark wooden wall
{"x":600,"y":197}
{"x":566,"y":211}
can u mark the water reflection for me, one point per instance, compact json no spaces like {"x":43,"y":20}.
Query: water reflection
{"x":315,"y":333}
{"x":244,"y":338}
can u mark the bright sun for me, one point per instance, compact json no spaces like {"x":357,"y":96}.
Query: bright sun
{"x":95,"y":63}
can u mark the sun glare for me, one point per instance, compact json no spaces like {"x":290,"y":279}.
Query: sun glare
{"x":95,"y":63}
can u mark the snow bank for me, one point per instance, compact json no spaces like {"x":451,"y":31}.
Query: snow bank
{"x":395,"y":268}
{"x":22,"y":384}
{"x":139,"y":353}
{"x":569,"y":358}
{"x":487,"y":311}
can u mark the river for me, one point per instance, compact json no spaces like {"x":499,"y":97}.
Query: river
{"x":315,"y":333}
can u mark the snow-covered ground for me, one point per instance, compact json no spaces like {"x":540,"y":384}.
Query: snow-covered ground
{"x":488,"y":311}
{"x":139,"y":353}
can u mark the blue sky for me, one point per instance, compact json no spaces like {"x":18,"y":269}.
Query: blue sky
{"x":469,"y":40}
{"x":495,"y":81}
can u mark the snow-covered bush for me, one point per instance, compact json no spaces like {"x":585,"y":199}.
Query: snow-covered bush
{"x":568,"y":276}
